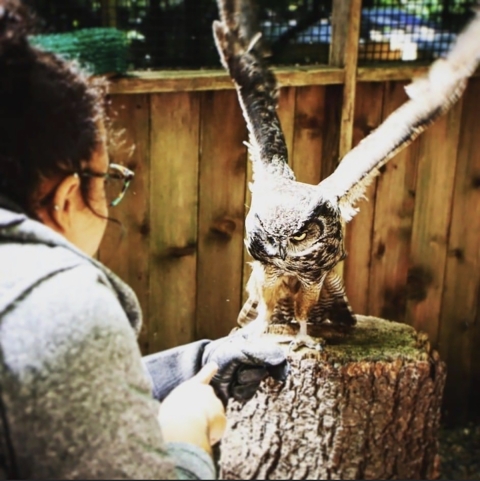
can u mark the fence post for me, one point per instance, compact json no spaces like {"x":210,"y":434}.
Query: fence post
{"x":346,"y":15}
{"x":109,"y":13}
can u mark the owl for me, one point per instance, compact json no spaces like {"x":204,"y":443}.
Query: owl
{"x":294,"y":230}
{"x":295,"y":244}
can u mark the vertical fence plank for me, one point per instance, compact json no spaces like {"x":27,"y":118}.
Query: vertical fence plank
{"x":309,"y":134}
{"x":173,"y":211}
{"x":392,"y":225}
{"x":358,"y":239}
{"x":127,"y":253}
{"x":437,"y":149}
{"x":286,"y":114}
{"x":221,"y":214}
{"x":462,"y":276}
{"x":332,"y":139}
{"x":331,"y":133}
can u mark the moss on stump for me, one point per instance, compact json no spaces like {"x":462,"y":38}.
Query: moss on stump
{"x":367,"y":407}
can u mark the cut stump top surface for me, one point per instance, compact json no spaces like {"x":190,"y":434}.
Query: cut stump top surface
{"x":371,"y":340}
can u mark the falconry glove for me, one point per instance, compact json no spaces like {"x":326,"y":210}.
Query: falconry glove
{"x":243,"y":363}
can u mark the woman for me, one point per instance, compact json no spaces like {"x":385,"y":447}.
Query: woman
{"x":75,"y":397}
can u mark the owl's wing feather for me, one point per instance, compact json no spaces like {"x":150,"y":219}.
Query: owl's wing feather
{"x":248,"y":313}
{"x":430,"y":97}
{"x":238,"y":44}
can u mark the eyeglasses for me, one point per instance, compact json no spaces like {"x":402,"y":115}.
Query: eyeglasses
{"x":117,"y":180}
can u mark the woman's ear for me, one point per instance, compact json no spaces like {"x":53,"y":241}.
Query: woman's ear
{"x":67,"y":201}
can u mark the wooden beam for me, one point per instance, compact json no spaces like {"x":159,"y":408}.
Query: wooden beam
{"x":346,"y":17}
{"x":386,"y":73}
{"x":197,"y":80}
{"x":109,"y":13}
{"x":340,"y":29}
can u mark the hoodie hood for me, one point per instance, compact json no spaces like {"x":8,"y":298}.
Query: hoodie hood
{"x":31,"y":252}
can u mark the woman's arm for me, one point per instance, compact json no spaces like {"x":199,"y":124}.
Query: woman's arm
{"x":77,"y":400}
{"x":168,"y":369}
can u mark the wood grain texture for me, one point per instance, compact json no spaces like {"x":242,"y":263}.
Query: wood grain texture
{"x":359,"y":232}
{"x":125,"y":248}
{"x":309,"y":134}
{"x":394,"y":207}
{"x":346,"y":18}
{"x":221,"y":215}
{"x":197,"y":80}
{"x":437,"y":149}
{"x":331,"y":132}
{"x":286,"y":114}
{"x":173,"y":212}
{"x":461,"y":289}
{"x":340,"y":32}
{"x":331,"y":139}
{"x":358,"y":411}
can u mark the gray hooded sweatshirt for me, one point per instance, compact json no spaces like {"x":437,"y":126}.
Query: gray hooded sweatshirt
{"x":75,"y":402}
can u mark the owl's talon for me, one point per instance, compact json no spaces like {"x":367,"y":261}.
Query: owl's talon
{"x":316,"y":344}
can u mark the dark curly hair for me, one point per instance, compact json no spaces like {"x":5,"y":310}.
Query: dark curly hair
{"x":49,"y":111}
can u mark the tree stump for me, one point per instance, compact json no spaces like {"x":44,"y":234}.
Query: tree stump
{"x":366,"y":408}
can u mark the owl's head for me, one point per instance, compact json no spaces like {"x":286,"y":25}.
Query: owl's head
{"x":284,"y":228}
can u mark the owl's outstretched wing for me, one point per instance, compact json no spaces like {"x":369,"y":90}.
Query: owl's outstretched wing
{"x":240,"y":52}
{"x":430,"y":97}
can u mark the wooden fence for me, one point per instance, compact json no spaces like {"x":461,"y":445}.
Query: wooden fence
{"x":414,"y":252}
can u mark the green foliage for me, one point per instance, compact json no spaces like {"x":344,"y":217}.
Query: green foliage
{"x":101,"y":50}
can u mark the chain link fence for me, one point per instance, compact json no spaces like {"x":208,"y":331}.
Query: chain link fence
{"x":177,"y":33}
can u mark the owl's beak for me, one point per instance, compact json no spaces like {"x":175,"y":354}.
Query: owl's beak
{"x":282,"y":250}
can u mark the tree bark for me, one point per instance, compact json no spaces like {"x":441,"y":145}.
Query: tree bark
{"x":365,"y":408}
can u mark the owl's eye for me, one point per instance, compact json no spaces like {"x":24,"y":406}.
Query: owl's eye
{"x":299,"y":237}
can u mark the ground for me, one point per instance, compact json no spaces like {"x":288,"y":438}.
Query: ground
{"x":460,"y":452}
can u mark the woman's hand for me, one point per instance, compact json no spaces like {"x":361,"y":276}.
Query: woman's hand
{"x":244,"y":361}
{"x":192,"y":413}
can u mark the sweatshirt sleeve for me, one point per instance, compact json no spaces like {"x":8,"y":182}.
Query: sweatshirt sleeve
{"x":167,"y":369}
{"x":78,"y":402}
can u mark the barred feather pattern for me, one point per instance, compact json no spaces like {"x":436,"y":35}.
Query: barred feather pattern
{"x":241,"y":55}
{"x":332,"y":306}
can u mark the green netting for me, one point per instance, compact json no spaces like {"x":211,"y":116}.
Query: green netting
{"x":101,"y":50}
